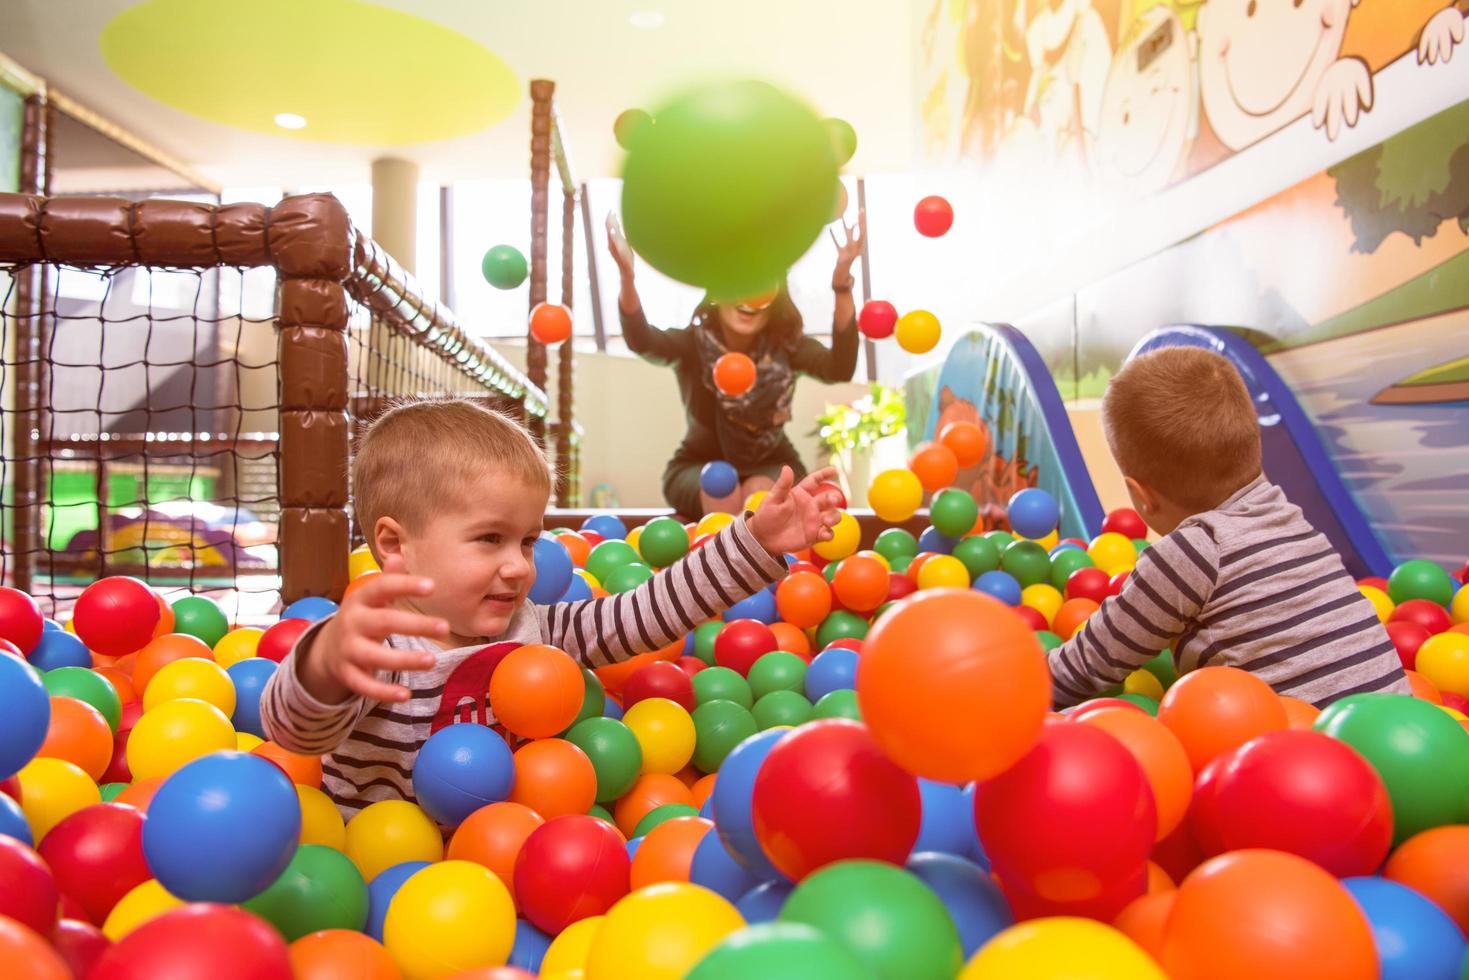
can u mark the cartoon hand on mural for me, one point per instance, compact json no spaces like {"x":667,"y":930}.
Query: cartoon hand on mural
{"x":1443,"y":30}
{"x":1343,"y":94}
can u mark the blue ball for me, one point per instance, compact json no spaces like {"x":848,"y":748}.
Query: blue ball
{"x":975,"y":850}
{"x":51,"y":624}
{"x":13,"y":822}
{"x":718,"y":479}
{"x":529,"y":947}
{"x":973,"y":899}
{"x":715,"y":869}
{"x":222,"y":828}
{"x":611,"y":709}
{"x":249,"y":677}
{"x":312,"y":607}
{"x":633,"y":845}
{"x":553,"y":570}
{"x":1414,"y":937}
{"x":932,"y":540}
{"x":1064,"y":546}
{"x":733,"y":793}
{"x":576,"y":591}
{"x":607,"y":525}
{"x":1001,"y":585}
{"x":831,"y":670}
{"x":59,"y":649}
{"x":380,"y":892}
{"x":460,"y":769}
{"x":25,"y":712}
{"x":764,"y":902}
{"x":707,"y":810}
{"x":1033,"y":513}
{"x":759,"y":607}
{"x":947,"y":824}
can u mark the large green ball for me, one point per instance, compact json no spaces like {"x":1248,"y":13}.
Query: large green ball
{"x":200,"y":616}
{"x":1000,"y":539}
{"x":1163,"y":668}
{"x":894,"y":542}
{"x":1066,"y":561}
{"x":781,"y":708}
{"x":1419,"y":579}
{"x":953,"y":512}
{"x":777,"y":671}
{"x":840,"y":625}
{"x":978,"y":554}
{"x":722,"y":684}
{"x":662,"y":814}
{"x":843,"y":139}
{"x":891,"y":920}
{"x":663,"y":541}
{"x":608,"y":556}
{"x":704,"y":635}
{"x":837,"y":704}
{"x":1027,"y":561}
{"x":779,"y":949}
{"x":625,"y":578}
{"x":729,"y":187}
{"x":503,"y":267}
{"x":85,"y":684}
{"x":614,"y":752}
{"x":1420,"y":752}
{"x":320,"y":889}
{"x":718,"y":727}
{"x":594,"y":699}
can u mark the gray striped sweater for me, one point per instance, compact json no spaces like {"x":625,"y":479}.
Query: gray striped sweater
{"x":1251,"y":585}
{"x":368,"y":747}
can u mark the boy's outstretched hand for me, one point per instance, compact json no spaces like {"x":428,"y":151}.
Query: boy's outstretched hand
{"x":796,"y":516}
{"x":352,"y":647}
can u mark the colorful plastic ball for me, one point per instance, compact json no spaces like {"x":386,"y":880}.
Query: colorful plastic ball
{"x":568,"y":869}
{"x":781,"y":709}
{"x":536,"y":691}
{"x":195,"y":941}
{"x":861,"y":584}
{"x":311,"y":608}
{"x":321,"y":821}
{"x":553,"y":569}
{"x":713,"y":867}
{"x":1459,"y":606}
{"x":202,"y":680}
{"x":943,"y":572}
{"x":846,"y":537}
{"x":651,"y":791}
{"x":493,"y":836}
{"x":199,"y":616}
{"x":999,"y":585}
{"x":627,"y":577}
{"x":614,"y":751}
{"x":451,"y":916}
{"x":461,"y":768}
{"x":837,"y":704}
{"x":1062,"y":947}
{"x":968,"y":440}
{"x":1431,"y":863}
{"x":80,"y":944}
{"x":13,"y":820}
{"x":20,"y":619}
{"x":1419,"y":579}
{"x":758,"y":606}
{"x":1381,"y":604}
{"x":1086,"y":582}
{"x":390,"y":832}
{"x":55,"y":650}
{"x":663,"y":541}
{"x":142,"y":904}
{"x":1429,"y":615}
{"x":609,"y":526}
{"x":947,"y":820}
{"x":174,"y":734}
{"x":953,"y":512}
{"x":1027,"y":561}
{"x":550,"y":323}
{"x":278,"y":641}
{"x":776,"y":671}
{"x":567,"y":953}
{"x":300,"y":769}
{"x":629,"y":126}
{"x":895,"y":495}
{"x":665,"y":733}
{"x":380,"y":892}
{"x":933,"y":216}
{"x":1126,"y":522}
{"x":779,"y":949}
{"x":969,"y":894}
{"x":1033,"y":513}
{"x":87,"y":686}
{"x":1444,"y":660}
{"x":116,"y":616}
{"x":28,"y":890}
{"x":1413,"y":936}
{"x":877,"y":319}
{"x":831,"y":670}
{"x":1072,"y":616}
{"x":803,"y":599}
{"x":608,"y":556}
{"x":741,"y":643}
{"x":1158,"y":751}
{"x":719,"y":726}
{"x":935,"y":465}
{"x":718,"y":479}
{"x":249,"y":677}
{"x":319,"y":889}
{"x":918,"y":331}
{"x":503,"y":267}
{"x":554,"y":778}
{"x":1112,"y":552}
{"x":667,"y":851}
{"x":341,"y":954}
{"x":979,"y":556}
{"x":360,"y":561}
{"x":51,"y":791}
{"x":660,"y":932}
{"x":79,"y":734}
{"x":96,"y":856}
{"x":237,"y":645}
{"x":1215,"y":709}
{"x":734,"y":374}
{"x":932,"y":542}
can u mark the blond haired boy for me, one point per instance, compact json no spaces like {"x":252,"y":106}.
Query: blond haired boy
{"x":451,"y":497}
{"x":1239,"y":578}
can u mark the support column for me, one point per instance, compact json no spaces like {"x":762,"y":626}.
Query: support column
{"x":395,"y":209}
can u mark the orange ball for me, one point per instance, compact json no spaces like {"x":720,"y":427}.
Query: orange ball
{"x":121,"y":683}
{"x":861,"y":584}
{"x":139,"y":793}
{"x":492,"y":836}
{"x":703,"y":788}
{"x":953,"y":686}
{"x":79,"y":734}
{"x":916,"y":565}
{"x":1215,"y":709}
{"x":1259,"y":913}
{"x":554,"y":778}
{"x":1158,"y":879}
{"x":667,"y":853}
{"x":968,"y":440}
{"x":341,"y":954}
{"x":165,"y":618}
{"x":537,"y":691}
{"x":1423,"y":687}
{"x":935,"y":465}
{"x":1145,"y":918}
{"x":550,"y":323}
{"x":1161,"y":755}
{"x":791,"y":639}
{"x":1299,"y":714}
{"x":734,"y":374}
{"x":1072,"y":616}
{"x":359,"y":582}
{"x":27,"y":956}
{"x":163,"y":651}
{"x":652,"y":790}
{"x":576,"y":546}
{"x":1433,"y":863}
{"x":803,"y":599}
{"x":303,"y":770}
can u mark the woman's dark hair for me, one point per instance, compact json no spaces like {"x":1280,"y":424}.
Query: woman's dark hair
{"x":784,"y":327}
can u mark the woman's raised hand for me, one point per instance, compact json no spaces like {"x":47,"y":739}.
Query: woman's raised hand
{"x":847,"y":251}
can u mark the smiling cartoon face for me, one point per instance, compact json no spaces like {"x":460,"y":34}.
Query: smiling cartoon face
{"x":1148,"y":107}
{"x":1260,"y":61}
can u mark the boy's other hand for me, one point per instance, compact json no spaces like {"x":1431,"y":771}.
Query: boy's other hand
{"x":796,"y":515}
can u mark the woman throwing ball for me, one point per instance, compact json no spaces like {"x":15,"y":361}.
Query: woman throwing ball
{"x":746,"y":430}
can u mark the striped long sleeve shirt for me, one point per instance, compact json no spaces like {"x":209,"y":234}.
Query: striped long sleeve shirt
{"x":1251,"y":585}
{"x":368,"y":748}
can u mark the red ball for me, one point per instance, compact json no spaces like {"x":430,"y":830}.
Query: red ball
{"x":802,"y":566}
{"x":96,"y":855}
{"x":80,"y":944}
{"x":592,"y":537}
{"x":877,"y":319}
{"x":659,"y":679}
{"x":1407,"y":636}
{"x":1456,"y":701}
{"x":690,"y":665}
{"x":1429,"y":615}
{"x":277,"y":641}
{"x":1115,"y":583}
{"x":1033,"y":617}
{"x":550,"y":323}
{"x":10,"y":786}
{"x":827,"y":793}
{"x":740,"y":643}
{"x":1126,"y":522}
{"x":850,"y":642}
{"x":118,"y":770}
{"x":198,"y":942}
{"x":28,"y":892}
{"x":832,"y":488}
{"x":933,"y":216}
{"x":1376,"y":581}
{"x":116,"y":616}
{"x":700,"y":541}
{"x":1105,"y":906}
{"x":570,"y":868}
{"x":899,"y":586}
{"x":1088,"y":583}
{"x":1072,"y":819}
{"x":1464,"y":573}
{"x":1096,"y":704}
{"x":20,"y":620}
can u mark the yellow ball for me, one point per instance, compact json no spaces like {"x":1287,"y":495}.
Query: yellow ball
{"x":1143,"y":682}
{"x":390,"y":832}
{"x":1112,"y":553}
{"x":943,"y":572}
{"x":633,"y":537}
{"x":321,"y":821}
{"x":360,"y":561}
{"x":878,"y":557}
{"x":448,"y":918}
{"x":245,"y":742}
{"x":660,"y":932}
{"x":754,"y":500}
{"x":845,"y":538}
{"x":1381,"y":604}
{"x":665,"y":732}
{"x":1454,"y":713}
{"x":69,"y":627}
{"x":1459,"y":605}
{"x":895,"y":495}
{"x":175,"y":733}
{"x":1444,"y":659}
{"x":52,"y":790}
{"x":587,"y":577}
{"x":143,"y":903}
{"x":1044,"y":599}
{"x":713,"y":523}
{"x":1049,"y":541}
{"x":568,"y":951}
{"x":236,"y":645}
{"x":918,"y":331}
{"x":203,"y":680}
{"x":1061,"y":947}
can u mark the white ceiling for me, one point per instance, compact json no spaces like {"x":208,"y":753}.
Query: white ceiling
{"x":850,"y":59}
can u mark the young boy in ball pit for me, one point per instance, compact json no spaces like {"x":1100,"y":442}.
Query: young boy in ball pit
{"x":1239,"y":578}
{"x":451,"y":497}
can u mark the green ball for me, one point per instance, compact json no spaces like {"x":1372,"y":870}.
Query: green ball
{"x":840,"y":625}
{"x":110,"y":791}
{"x":1027,"y":561}
{"x":953,"y":512}
{"x":978,"y":554}
{"x":1140,"y":545}
{"x":663,"y":542}
{"x":601,"y":813}
{"x":830,"y":571}
{"x":627,"y":577}
{"x":503,"y":267}
{"x":85,"y":684}
{"x":777,"y":671}
{"x":900,"y":564}
{"x":722,"y":684}
{"x":320,"y":889}
{"x":704,"y":635}
{"x":201,"y":617}
{"x":614,"y":752}
{"x":718,"y":727}
{"x":1048,"y":640}
{"x":894,"y":542}
{"x":778,"y":949}
{"x":1163,"y":668}
{"x":594,"y":699}
{"x":877,"y":613}
{"x":891,"y":920}
{"x":1419,"y":579}
{"x":1141,"y":700}
{"x":1420,"y":752}
{"x":662,"y":814}
{"x":781,"y":708}
{"x":1067,"y":561}
{"x":843,"y":139}
{"x":608,"y":556}
{"x":1000,"y":539}
{"x":755,"y":166}
{"x":630,"y":126}
{"x":837,"y":704}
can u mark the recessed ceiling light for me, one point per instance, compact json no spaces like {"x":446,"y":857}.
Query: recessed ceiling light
{"x":289,"y":120}
{"x":646,"y":20}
